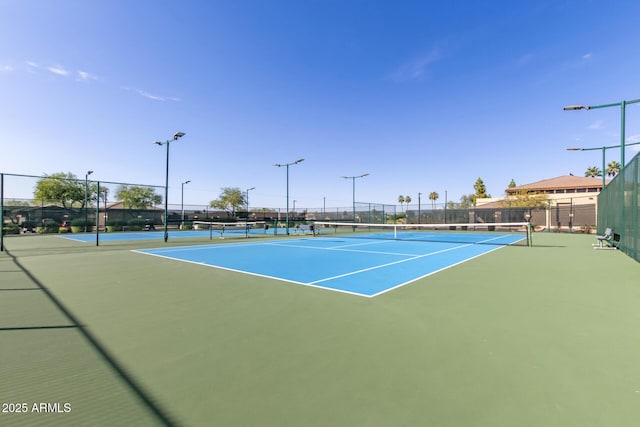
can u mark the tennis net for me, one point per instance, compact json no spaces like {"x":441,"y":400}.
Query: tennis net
{"x":223,"y":229}
{"x":503,"y":233}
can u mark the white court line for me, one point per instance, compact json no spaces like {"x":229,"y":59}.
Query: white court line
{"x":337,"y":248}
{"x":433,"y":272}
{"x":310,"y":284}
{"x":390,"y":263}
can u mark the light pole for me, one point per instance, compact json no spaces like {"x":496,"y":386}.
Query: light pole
{"x":353,"y":181}
{"x":287,"y":166}
{"x":419,"y":195}
{"x":182,"y":203}
{"x":176,"y":136}
{"x":247,"y":193}
{"x":86,"y":191}
{"x":246,"y":221}
{"x":603,"y":155}
{"x":622,"y":105}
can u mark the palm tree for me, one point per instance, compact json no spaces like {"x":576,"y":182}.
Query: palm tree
{"x":401,"y":200}
{"x":433,"y":196}
{"x":592,"y":172}
{"x":613,"y":168}
{"x":407,"y":200}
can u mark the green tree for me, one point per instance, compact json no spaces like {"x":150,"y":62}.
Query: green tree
{"x":401,"y":201}
{"x":525,"y":199}
{"x":407,"y":200}
{"x":433,"y":196}
{"x":481,"y":190}
{"x":230,"y":200}
{"x":613,"y":168}
{"x":137,"y":197}
{"x":593,"y":172}
{"x":60,"y":187}
{"x":512,"y":184}
{"x":467,"y":201}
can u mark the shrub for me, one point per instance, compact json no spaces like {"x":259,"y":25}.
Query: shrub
{"x":79,"y":222}
{"x":11,"y":229}
{"x":136,"y":224}
{"x":49,"y":227}
{"x":115,"y":224}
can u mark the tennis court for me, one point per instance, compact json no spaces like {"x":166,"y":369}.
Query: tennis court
{"x":540,"y":335}
{"x":366,"y":267}
{"x":217,"y":231}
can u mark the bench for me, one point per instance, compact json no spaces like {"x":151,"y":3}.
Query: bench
{"x":609,"y":240}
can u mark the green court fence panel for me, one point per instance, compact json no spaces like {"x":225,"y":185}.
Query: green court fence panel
{"x":618,"y":207}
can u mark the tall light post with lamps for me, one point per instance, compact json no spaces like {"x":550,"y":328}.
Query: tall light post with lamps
{"x":182,"y":203}
{"x":603,"y":155}
{"x":353,"y":182}
{"x":287,"y":166}
{"x":247,"y":193}
{"x":86,"y":199}
{"x":176,"y":136}
{"x":246,"y":222}
{"x":622,"y":105}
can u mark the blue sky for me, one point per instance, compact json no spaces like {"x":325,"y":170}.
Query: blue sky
{"x":422,"y":95}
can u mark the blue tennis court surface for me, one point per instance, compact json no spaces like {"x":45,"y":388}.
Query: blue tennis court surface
{"x":365,"y":267}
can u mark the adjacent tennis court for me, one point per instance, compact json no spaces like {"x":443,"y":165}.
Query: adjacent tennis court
{"x":366,"y":267}
{"x":212,"y":231}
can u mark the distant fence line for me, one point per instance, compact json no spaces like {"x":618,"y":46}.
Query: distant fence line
{"x":558,"y":217}
{"x":103,"y":210}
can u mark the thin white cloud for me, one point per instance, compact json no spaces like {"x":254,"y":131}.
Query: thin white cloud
{"x":415,"y":69}
{"x":587,"y":56}
{"x":83,"y":76}
{"x":57,"y":69}
{"x":148,"y":95}
{"x":596,"y":125}
{"x":6,"y":68}
{"x":32,"y":66}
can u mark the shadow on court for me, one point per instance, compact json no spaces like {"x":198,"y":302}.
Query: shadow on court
{"x":49,"y":358}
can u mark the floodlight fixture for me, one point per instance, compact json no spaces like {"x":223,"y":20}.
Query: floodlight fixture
{"x":576,"y":107}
